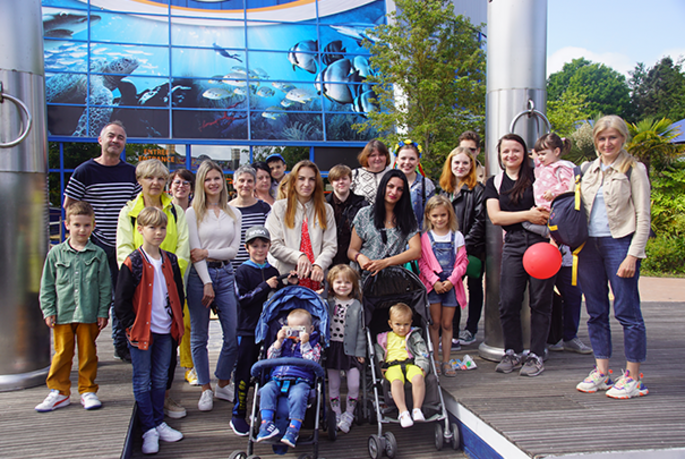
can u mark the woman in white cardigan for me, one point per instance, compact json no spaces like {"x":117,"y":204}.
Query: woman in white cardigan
{"x":214,"y":229}
{"x":302,"y":227}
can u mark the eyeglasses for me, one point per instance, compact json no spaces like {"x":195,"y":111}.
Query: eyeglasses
{"x":180,"y":183}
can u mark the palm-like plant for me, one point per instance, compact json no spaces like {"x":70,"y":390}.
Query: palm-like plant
{"x":651,"y":143}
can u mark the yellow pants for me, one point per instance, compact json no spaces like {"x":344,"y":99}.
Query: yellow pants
{"x":395,"y":372}
{"x":65,"y":336}
{"x":184,"y":348}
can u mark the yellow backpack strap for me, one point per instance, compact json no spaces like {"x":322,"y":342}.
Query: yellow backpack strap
{"x":574,"y":270}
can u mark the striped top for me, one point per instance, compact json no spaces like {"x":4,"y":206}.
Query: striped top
{"x":254,"y":215}
{"x":107,"y":189}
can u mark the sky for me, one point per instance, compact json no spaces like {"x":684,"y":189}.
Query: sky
{"x":618,"y":33}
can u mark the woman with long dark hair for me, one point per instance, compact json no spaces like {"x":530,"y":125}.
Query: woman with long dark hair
{"x":381,"y":232}
{"x":459,"y":181}
{"x":509,"y":200}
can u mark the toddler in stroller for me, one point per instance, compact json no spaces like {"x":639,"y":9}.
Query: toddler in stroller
{"x":294,"y":325}
{"x":382,"y":293}
{"x":297,"y":339}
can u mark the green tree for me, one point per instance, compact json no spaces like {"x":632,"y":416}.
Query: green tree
{"x":430,"y":78}
{"x":565,"y":112}
{"x":292,"y":155}
{"x":659,"y":91}
{"x":605,"y":90}
{"x":651,"y":143}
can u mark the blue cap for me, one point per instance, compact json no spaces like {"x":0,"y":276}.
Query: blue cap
{"x":273,"y":157}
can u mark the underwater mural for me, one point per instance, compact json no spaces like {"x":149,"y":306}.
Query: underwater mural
{"x":189,"y":69}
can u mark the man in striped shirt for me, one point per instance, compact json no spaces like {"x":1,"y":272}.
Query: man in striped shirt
{"x":107,"y":183}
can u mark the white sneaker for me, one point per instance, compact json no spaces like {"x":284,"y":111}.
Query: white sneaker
{"x":90,"y":401}
{"x":151,"y":442}
{"x":225,"y":393}
{"x":53,"y":401}
{"x":417,"y":414}
{"x":168,"y":434}
{"x":405,"y":419}
{"x":206,"y":402}
{"x":346,"y":420}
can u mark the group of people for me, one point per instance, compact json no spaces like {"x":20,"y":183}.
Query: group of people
{"x":128,"y":235}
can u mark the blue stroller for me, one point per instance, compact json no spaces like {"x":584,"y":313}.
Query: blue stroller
{"x":273,"y":317}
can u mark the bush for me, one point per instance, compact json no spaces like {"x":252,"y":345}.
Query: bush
{"x":665,"y":255}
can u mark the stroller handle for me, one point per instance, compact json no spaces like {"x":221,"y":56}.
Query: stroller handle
{"x":266,"y":364}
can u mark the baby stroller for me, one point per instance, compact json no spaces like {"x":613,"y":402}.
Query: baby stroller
{"x":273,"y":317}
{"x":391,"y":286}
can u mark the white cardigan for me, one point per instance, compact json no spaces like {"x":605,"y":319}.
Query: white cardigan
{"x":285,"y":242}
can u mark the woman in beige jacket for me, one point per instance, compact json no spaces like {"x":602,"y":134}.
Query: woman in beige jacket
{"x":302,"y":226}
{"x":615,"y":191}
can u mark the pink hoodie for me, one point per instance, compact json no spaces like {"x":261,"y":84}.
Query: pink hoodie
{"x":429,"y":266}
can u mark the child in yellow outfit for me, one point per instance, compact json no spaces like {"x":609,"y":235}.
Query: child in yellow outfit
{"x":405,"y":355}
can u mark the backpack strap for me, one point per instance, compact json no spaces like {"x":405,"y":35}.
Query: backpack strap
{"x":498,"y":181}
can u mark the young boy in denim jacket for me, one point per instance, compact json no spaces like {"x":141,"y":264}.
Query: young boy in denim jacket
{"x":149,"y":305}
{"x":75,"y":310}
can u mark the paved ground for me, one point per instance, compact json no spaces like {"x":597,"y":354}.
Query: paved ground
{"x":662,"y":289}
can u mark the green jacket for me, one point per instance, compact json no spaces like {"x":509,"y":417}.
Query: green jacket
{"x":76,"y":286}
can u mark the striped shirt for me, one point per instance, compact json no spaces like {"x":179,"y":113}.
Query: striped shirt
{"x":254,"y":215}
{"x":107,"y":189}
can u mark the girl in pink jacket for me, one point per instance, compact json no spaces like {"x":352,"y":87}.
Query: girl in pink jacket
{"x":442,"y":264}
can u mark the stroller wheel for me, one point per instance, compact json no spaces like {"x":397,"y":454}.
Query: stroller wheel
{"x":375,"y":447}
{"x":439,"y":436}
{"x":456,"y":438}
{"x":331,"y":426}
{"x":390,"y":445}
{"x":238,"y":455}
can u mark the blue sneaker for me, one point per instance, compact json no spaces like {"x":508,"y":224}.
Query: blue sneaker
{"x":240,"y":426}
{"x":290,"y":437}
{"x":267,"y":430}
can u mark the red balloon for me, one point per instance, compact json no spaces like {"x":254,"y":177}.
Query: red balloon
{"x":542,"y":260}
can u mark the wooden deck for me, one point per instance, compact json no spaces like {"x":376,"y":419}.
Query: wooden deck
{"x":522,"y":417}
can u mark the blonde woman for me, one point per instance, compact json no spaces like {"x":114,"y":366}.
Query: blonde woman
{"x":302,"y":227}
{"x":616,"y":196}
{"x":214,"y":228}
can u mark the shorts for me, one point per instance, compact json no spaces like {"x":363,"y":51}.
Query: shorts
{"x":448,"y":299}
{"x":395,"y":372}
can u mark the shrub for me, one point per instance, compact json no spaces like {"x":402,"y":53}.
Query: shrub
{"x":665,"y":255}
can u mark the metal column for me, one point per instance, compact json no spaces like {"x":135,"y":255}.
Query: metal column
{"x":24,"y":337}
{"x":516,"y":76}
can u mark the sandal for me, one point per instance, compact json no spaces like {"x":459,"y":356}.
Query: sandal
{"x":448,"y":371}
{"x":438,"y":367}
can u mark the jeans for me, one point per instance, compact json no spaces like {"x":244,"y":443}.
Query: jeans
{"x":513,"y":280}
{"x":573,"y":297}
{"x":118,"y":333}
{"x":150,"y":373}
{"x":297,"y":398}
{"x":598,"y":263}
{"x":225,"y":302}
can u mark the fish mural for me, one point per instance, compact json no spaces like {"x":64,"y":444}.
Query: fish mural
{"x":226,"y":54}
{"x":299,"y":95}
{"x":283,"y":87}
{"x":334,"y":52}
{"x":358,"y":31}
{"x":273,"y":113}
{"x":216,"y":93}
{"x":333,"y":81}
{"x":303,"y":55}
{"x":365,"y":103}
{"x":62,"y":25}
{"x":265,"y":91}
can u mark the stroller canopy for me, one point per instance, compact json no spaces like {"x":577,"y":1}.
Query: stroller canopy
{"x":287,"y":299}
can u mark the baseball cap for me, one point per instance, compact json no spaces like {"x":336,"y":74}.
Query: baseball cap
{"x":256,"y":232}
{"x":274,"y":157}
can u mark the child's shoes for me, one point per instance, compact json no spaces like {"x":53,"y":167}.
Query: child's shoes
{"x":418,"y":415}
{"x":168,"y":434}
{"x":53,"y":401}
{"x":267,"y":430}
{"x":151,"y":441}
{"x":90,"y":401}
{"x":346,"y":422}
{"x":290,"y":437}
{"x":405,"y":419}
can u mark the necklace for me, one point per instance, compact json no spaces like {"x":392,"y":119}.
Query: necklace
{"x":213,"y":204}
